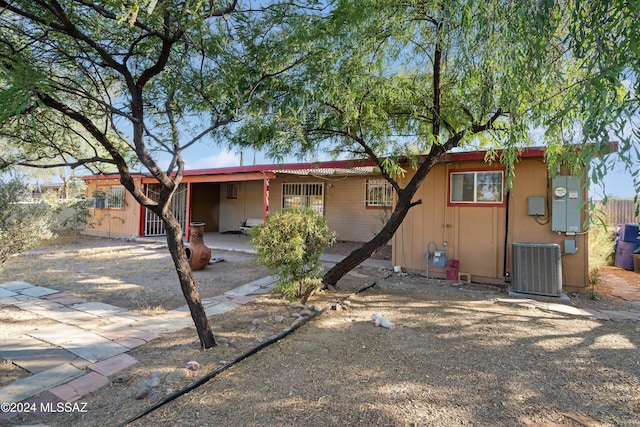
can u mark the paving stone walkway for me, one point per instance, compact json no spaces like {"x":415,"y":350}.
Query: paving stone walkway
{"x":90,"y":340}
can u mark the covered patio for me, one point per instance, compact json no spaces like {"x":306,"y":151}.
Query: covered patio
{"x":242,"y":243}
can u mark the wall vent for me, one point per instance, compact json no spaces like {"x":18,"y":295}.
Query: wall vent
{"x":537,"y":269}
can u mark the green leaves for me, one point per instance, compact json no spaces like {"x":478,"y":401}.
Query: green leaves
{"x":289,"y":244}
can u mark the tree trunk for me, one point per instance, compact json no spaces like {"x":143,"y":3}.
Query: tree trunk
{"x":364,"y":252}
{"x":187,"y":282}
{"x":401,"y":210}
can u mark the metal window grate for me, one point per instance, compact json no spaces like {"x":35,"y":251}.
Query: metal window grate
{"x":153,"y":223}
{"x":116,"y":197}
{"x":379,"y":192}
{"x":303,"y":195}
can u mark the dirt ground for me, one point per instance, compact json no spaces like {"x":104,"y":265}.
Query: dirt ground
{"x":456,"y":356}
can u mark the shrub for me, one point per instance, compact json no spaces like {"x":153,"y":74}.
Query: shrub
{"x":601,"y":242}
{"x":289,"y":244}
{"x":22,"y":225}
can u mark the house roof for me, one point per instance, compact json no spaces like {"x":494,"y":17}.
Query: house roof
{"x":322,"y":168}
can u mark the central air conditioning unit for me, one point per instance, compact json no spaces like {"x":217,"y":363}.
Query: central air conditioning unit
{"x":537,"y":269}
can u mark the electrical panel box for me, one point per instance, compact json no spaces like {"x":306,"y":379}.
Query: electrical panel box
{"x":570,"y":247}
{"x":565,"y":207}
{"x":535,"y":205}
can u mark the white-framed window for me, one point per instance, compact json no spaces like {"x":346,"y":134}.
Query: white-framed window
{"x":303,"y":195}
{"x":480,"y":187}
{"x":378,"y":193}
{"x":109,"y":197}
{"x":232,"y":190}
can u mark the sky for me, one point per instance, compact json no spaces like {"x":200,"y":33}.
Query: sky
{"x":617,"y":183}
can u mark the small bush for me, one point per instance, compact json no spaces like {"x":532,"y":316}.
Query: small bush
{"x":601,"y":242}
{"x":22,"y":225}
{"x":289,"y":244}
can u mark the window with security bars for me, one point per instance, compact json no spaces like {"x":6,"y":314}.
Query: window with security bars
{"x":116,"y":197}
{"x":303,"y":195}
{"x":109,"y":198}
{"x":379,"y":193}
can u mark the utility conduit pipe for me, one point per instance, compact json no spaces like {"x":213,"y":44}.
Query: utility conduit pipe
{"x":197,"y":383}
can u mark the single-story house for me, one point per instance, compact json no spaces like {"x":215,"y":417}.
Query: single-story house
{"x":465,"y":204}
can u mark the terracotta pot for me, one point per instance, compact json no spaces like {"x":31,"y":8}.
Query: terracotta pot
{"x":197,"y":253}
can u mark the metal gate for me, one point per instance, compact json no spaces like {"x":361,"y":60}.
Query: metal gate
{"x":153,"y":225}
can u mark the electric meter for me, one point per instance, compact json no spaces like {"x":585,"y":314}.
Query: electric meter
{"x":560,"y":192}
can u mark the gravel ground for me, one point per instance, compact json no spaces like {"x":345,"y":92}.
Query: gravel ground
{"x":454,"y":357}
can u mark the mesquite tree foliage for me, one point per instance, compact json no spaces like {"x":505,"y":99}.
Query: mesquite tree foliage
{"x":110,"y":85}
{"x":393,"y":80}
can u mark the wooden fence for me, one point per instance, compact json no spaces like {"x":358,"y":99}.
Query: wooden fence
{"x":618,"y":211}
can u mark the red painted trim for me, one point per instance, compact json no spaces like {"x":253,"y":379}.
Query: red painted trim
{"x":187,"y":222}
{"x":265,"y":199}
{"x":474,"y":204}
{"x":238,"y":171}
{"x":143,"y":216}
{"x":377,"y":207}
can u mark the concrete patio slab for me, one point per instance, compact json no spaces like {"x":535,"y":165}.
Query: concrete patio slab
{"x":36,"y":384}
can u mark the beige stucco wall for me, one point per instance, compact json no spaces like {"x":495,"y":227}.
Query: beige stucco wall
{"x":117,"y":223}
{"x":248,"y":204}
{"x":344,"y":205}
{"x":476,"y":235}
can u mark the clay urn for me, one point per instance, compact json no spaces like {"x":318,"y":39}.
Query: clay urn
{"x":197,"y":253}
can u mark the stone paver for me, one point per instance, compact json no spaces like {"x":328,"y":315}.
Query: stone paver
{"x":87,"y":345}
{"x":22,"y":345}
{"x":130,"y":342}
{"x":118,"y":331}
{"x":5,"y":293}
{"x":38,"y":291}
{"x":114,"y":364}
{"x":44,"y":359}
{"x":242,"y":290}
{"x":264,"y":282}
{"x":220,"y":308}
{"x":243,"y":299}
{"x":74,"y":390}
{"x":17,"y":286}
{"x":159,"y":325}
{"x":36,"y":384}
{"x":99,"y":309}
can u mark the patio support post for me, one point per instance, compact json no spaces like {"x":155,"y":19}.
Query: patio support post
{"x":187,"y":222}
{"x":265,"y":200}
